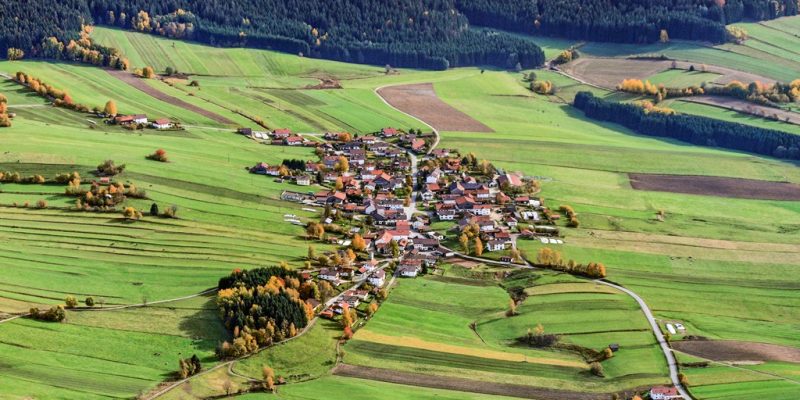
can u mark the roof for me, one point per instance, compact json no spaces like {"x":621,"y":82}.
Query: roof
{"x":162,"y":121}
{"x":665,"y":390}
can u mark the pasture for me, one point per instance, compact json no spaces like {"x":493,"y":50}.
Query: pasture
{"x":432,"y":325}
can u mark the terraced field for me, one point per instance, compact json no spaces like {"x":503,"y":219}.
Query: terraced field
{"x":426,"y":326}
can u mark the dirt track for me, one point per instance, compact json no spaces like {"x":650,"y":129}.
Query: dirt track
{"x":420,"y":101}
{"x":460,"y":384}
{"x":732,"y":350}
{"x":138,"y":83}
{"x":716,"y":186}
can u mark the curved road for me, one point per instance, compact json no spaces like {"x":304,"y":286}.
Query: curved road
{"x":671,"y":362}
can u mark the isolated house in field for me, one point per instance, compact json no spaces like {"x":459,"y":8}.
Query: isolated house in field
{"x":664,"y":393}
{"x":260,"y":168}
{"x":162,"y":123}
{"x":123,"y":119}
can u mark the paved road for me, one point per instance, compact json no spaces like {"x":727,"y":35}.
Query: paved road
{"x":671,"y":362}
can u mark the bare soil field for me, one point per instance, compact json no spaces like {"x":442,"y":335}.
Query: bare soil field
{"x":610,"y":72}
{"x":460,"y":384}
{"x":138,"y":83}
{"x":716,"y":186}
{"x":744,"y":106}
{"x":732,"y":350}
{"x":420,"y":101}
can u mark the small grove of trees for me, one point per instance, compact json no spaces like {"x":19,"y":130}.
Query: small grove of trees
{"x":54,"y":314}
{"x":537,"y":337}
{"x":269,"y":378}
{"x":550,"y":258}
{"x":110,"y":168}
{"x":5,"y":120}
{"x":59,"y":97}
{"x":736,"y":34}
{"x":692,"y":128}
{"x":567,"y":56}
{"x":189,"y":366}
{"x":13,"y":54}
{"x":131,"y":214}
{"x":83,"y":50}
{"x":315,"y":230}
{"x":15,"y":177}
{"x":571,"y":216}
{"x":158,"y":155}
{"x":260,"y":307}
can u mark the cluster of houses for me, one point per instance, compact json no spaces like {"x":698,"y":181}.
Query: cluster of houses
{"x":141,"y":119}
{"x":280,"y":136}
{"x":495,"y":203}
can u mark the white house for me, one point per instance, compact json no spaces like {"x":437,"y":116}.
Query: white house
{"x":378,"y":278}
{"x":162,"y":123}
{"x":495,"y":245}
{"x":409,"y":271}
{"x":446,"y":215}
{"x":140,"y":119}
{"x":303,"y":180}
{"x":664,"y":393}
{"x":330,"y":274}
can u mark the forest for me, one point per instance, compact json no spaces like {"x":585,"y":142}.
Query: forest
{"x":627,"y":21}
{"x":427,"y":34}
{"x":692,"y":128}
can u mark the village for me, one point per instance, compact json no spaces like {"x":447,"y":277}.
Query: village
{"x":403,"y":205}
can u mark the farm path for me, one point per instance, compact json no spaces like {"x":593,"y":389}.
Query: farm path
{"x":671,"y":362}
{"x":138,"y":83}
{"x":122,"y":306}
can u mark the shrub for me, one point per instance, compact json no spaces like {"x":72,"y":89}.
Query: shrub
{"x":596,"y":369}
{"x":71,"y":302}
{"x":89,"y":301}
{"x":109,"y":168}
{"x":131,"y":213}
{"x":41,"y":204}
{"x":171,"y":212}
{"x":158,"y":155}
{"x":54,"y":314}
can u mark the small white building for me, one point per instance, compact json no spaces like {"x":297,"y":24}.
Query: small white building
{"x":303,"y":180}
{"x":409,"y":271}
{"x":140,"y":119}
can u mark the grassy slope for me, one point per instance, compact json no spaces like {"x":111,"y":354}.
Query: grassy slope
{"x":584,"y":164}
{"x":433,"y":316}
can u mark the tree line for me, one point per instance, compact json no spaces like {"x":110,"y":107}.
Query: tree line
{"x":428,"y":34}
{"x":626,"y":21}
{"x":694,"y":129}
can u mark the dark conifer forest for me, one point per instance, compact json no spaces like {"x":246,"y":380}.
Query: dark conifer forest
{"x":693,"y":129}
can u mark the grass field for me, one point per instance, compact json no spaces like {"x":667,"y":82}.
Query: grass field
{"x":727,"y":268}
{"x":425,"y":326}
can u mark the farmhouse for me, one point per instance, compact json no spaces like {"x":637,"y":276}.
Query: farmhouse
{"x":495,"y":245}
{"x":303,"y":180}
{"x":330,"y":274}
{"x":408,"y":271}
{"x":389,"y":132}
{"x":512,"y":180}
{"x":664,"y":393}
{"x":281,"y":133}
{"x":162,"y":123}
{"x":293,"y":141}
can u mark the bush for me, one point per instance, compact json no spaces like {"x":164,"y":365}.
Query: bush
{"x":71,"y":302}
{"x":89,"y":301}
{"x":109,"y":168}
{"x":158,"y":155}
{"x":596,"y":369}
{"x":41,"y":204}
{"x":54,"y":314}
{"x":171,"y":212}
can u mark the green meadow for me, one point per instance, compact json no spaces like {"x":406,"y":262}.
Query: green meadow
{"x":727,"y":268}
